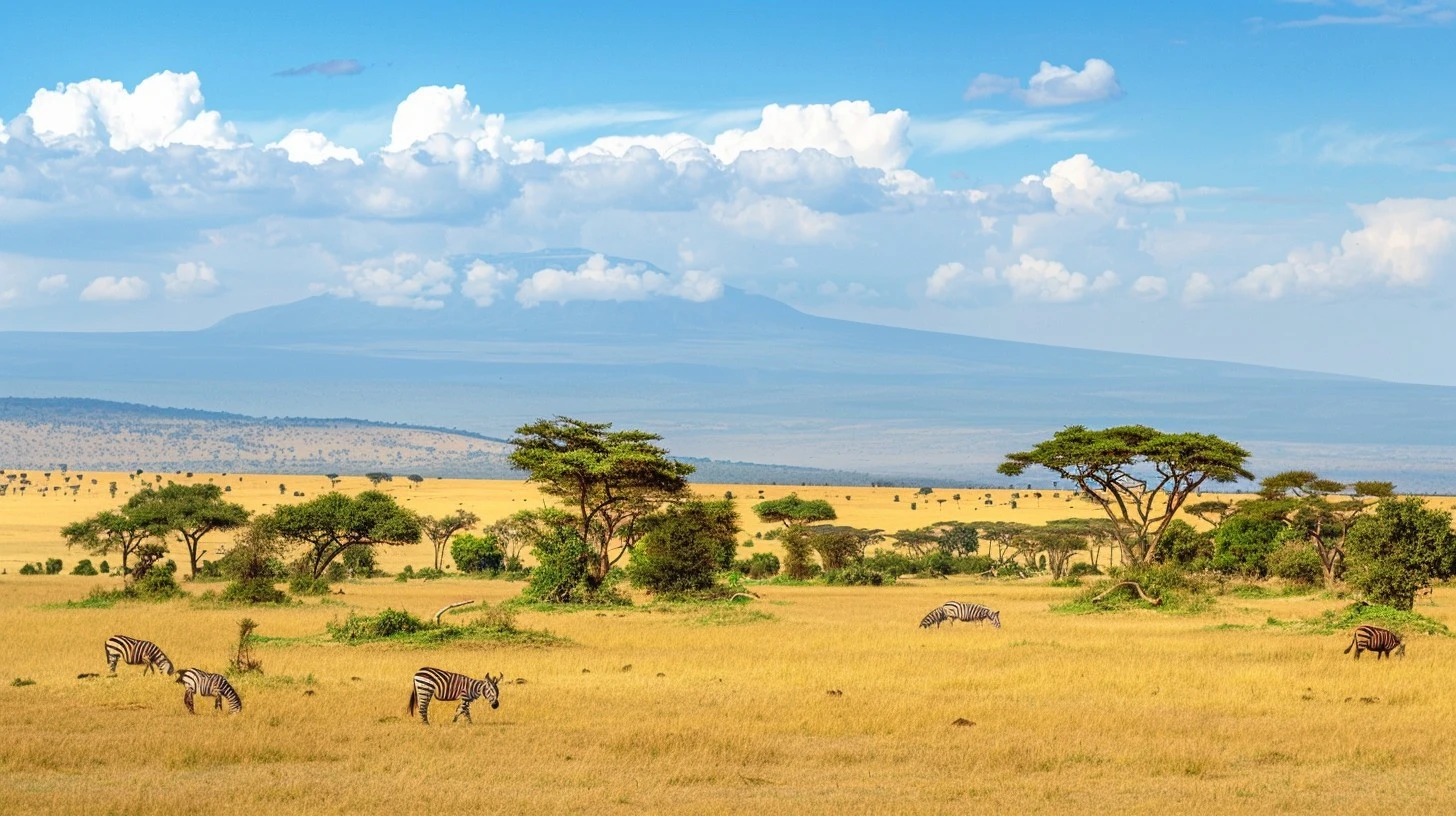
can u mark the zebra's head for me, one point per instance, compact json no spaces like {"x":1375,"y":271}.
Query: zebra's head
{"x":934,"y":616}
{"x":491,"y":689}
{"x":1399,"y":647}
{"x":995,"y":619}
{"x":165,"y":664}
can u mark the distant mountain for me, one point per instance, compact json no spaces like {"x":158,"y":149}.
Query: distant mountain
{"x":92,"y":435}
{"x":742,"y":377}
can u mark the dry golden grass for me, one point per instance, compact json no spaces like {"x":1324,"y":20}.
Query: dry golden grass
{"x":721,"y":712}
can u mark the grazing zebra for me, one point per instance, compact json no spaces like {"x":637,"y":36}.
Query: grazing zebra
{"x":136,"y":653}
{"x":443,"y":685}
{"x":197,"y":681}
{"x":1374,"y":639}
{"x":959,"y":610}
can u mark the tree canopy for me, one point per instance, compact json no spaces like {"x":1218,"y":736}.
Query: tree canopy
{"x":192,"y":511}
{"x":1399,"y":549}
{"x":332,"y":523}
{"x":607,"y":479}
{"x":440,"y":530}
{"x":793,"y":510}
{"x":111,"y":531}
{"x":1138,"y":475}
{"x":1320,"y":511}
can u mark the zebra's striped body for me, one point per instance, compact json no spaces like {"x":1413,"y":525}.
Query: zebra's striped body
{"x":960,"y":611}
{"x":438,"y":684}
{"x":1374,"y":639}
{"x":136,"y":653}
{"x":207,"y":684}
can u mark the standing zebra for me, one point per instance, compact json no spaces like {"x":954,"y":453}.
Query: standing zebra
{"x":1374,"y":639}
{"x":207,"y":684}
{"x":959,"y":610}
{"x":136,"y":653}
{"x":443,"y":685}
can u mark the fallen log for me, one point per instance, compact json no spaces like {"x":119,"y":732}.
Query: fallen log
{"x":448,"y":608}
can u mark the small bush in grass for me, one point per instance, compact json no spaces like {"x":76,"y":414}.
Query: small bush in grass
{"x":32,"y":569}
{"x":387,"y":623}
{"x":477,"y":554}
{"x":21,"y":682}
{"x":254,"y":591}
{"x":53,"y":566}
{"x":83,"y":567}
{"x":938,"y":564}
{"x":303,"y":584}
{"x":758,"y":566}
{"x":1178,"y":591}
{"x":891,"y":563}
{"x":1081,"y":569}
{"x":429,"y":574}
{"x":105,"y":567}
{"x":857,"y":574}
{"x":405,"y":574}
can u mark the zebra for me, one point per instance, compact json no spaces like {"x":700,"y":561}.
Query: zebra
{"x":136,"y":653}
{"x":197,"y":681}
{"x":959,"y":610}
{"x":1374,"y":639}
{"x":443,"y":685}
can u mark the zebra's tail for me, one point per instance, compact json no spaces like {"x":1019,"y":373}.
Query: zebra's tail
{"x":1352,"y":644}
{"x":414,"y":697}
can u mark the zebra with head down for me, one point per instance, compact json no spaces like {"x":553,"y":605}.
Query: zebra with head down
{"x":960,"y":611}
{"x":438,"y":684}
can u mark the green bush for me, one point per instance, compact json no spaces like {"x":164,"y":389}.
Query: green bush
{"x":476,"y":554}
{"x":254,"y":591}
{"x":405,"y":574}
{"x":1082,"y":568}
{"x":937,"y":563}
{"x":83,"y":567}
{"x":387,"y":623}
{"x":359,"y":563}
{"x":1184,"y":546}
{"x":562,"y":574}
{"x":1297,"y":563}
{"x":974,"y":564}
{"x":1243,"y":543}
{"x":1397,"y":551}
{"x":857,"y":574}
{"x":105,"y":567}
{"x":158,"y":583}
{"x":759,"y":565}
{"x":429,"y":574}
{"x":53,"y":566}
{"x":303,"y":584}
{"x":891,"y":563}
{"x":32,"y":569}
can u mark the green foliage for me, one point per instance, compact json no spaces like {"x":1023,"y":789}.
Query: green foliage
{"x":608,"y":479}
{"x":21,"y":682}
{"x":358,"y":563}
{"x":192,"y":511}
{"x":1109,"y":466}
{"x":890,"y":563}
{"x":1398,"y":550}
{"x":1184,"y":546}
{"x":253,"y":591}
{"x":1177,"y":591}
{"x":563,"y":573}
{"x":121,"y":531}
{"x":1243,"y":543}
{"x":758,"y":566}
{"x":440,"y":530}
{"x":304,"y":584}
{"x":1402,"y":621}
{"x":32,"y":569}
{"x":83,"y":567}
{"x":477,"y":554}
{"x":683,"y":547}
{"x":797,"y":542}
{"x":493,"y":624}
{"x":1082,"y":569}
{"x":333,"y":523}
{"x":157,"y":583}
{"x":793,"y":510}
{"x":53,"y":566}
{"x":959,"y":539}
{"x":857,"y":574}
{"x":1297,"y":563}
{"x":105,"y":567}
{"x":429,"y":574}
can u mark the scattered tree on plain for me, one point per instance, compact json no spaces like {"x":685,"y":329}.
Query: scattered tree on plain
{"x":191,"y":511}
{"x":331,"y":524}
{"x":440,"y":530}
{"x":1139,"y":476}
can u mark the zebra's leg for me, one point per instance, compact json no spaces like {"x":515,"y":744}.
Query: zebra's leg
{"x":217,"y":702}
{"x":187,"y":701}
{"x":111,"y":662}
{"x":150,"y":667}
{"x":463,"y":710}
{"x":425,"y":707}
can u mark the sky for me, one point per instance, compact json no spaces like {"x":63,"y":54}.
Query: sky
{"x":1253,"y":180}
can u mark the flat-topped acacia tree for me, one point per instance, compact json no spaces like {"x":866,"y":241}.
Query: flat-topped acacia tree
{"x":334,"y":523}
{"x":607,"y":479}
{"x":1139,"y":476}
{"x":192,"y":511}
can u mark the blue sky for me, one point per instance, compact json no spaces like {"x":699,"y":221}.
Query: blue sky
{"x":1272,"y":182}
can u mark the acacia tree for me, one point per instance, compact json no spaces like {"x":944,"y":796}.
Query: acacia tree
{"x":609,"y":479}
{"x":440,"y":530}
{"x":1003,"y":534}
{"x":111,"y":531}
{"x":1138,"y":475}
{"x":333,"y":523}
{"x":1320,"y":510}
{"x":1399,"y":549}
{"x":1095,"y":534}
{"x":191,"y":511}
{"x":1058,"y":544}
{"x":796,"y":514}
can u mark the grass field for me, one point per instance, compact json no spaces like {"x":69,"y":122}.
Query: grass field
{"x":722,"y":709}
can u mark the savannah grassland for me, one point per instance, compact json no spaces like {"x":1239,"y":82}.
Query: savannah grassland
{"x":723,"y":709}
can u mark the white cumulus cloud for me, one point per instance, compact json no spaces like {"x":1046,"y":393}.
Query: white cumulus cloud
{"x":1198,"y":288}
{"x":1150,"y":287}
{"x":950,"y":280}
{"x":311,"y":147}
{"x":164,"y":109}
{"x":848,"y":129}
{"x":1402,"y":243}
{"x":402,"y":280}
{"x":599,"y":279}
{"x":434,"y":110}
{"x":190,"y":280}
{"x":484,"y":282}
{"x":1079,"y":185}
{"x":51,"y":284}
{"x":1053,"y":85}
{"x":784,"y":220}
{"x":1048,"y":281}
{"x":110,"y":287}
